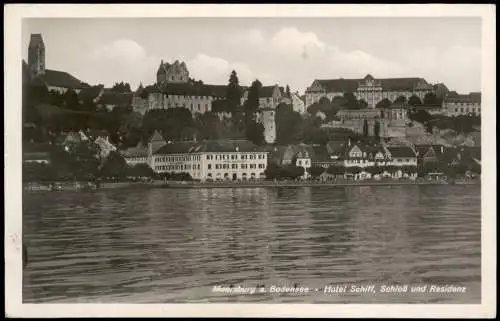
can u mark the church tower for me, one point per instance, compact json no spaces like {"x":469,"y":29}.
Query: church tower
{"x":36,"y":55}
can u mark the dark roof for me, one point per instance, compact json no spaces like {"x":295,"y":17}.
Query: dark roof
{"x":321,"y":153}
{"x":36,"y":40}
{"x":266,"y":91}
{"x":214,"y":146}
{"x":401,"y":151}
{"x":90,"y":93}
{"x":189,"y":89}
{"x":470,"y":98}
{"x":62,"y":79}
{"x":351,"y":85}
{"x":116,"y":99}
{"x":138,"y":151}
{"x":427,"y":106}
{"x":157,"y":137}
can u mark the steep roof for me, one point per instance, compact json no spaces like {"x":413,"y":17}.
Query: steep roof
{"x":470,"y":98}
{"x":137,"y":151}
{"x":116,"y":99}
{"x":401,"y":151}
{"x":90,"y":93}
{"x":157,"y":137}
{"x":213,"y":146}
{"x":351,"y":85}
{"x":266,"y":91}
{"x":62,"y":79}
{"x":36,"y":40}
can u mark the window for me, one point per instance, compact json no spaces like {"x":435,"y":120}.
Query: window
{"x":234,"y":166}
{"x":209,"y":166}
{"x":300,"y":163}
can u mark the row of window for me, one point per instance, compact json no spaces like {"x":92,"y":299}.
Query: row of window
{"x":398,"y":160}
{"x":305,"y":163}
{"x":235,"y":166}
{"x":183,"y":158}
{"x":467,"y":110}
{"x":235,"y":157}
{"x":177,"y":167}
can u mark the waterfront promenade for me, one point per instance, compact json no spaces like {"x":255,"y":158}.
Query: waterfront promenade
{"x":70,"y":186}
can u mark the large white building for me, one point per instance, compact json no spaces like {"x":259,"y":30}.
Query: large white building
{"x":455,"y":105}
{"x":204,"y":161}
{"x":368,"y":89}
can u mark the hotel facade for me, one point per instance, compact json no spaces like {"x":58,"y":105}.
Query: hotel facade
{"x":204,"y":161}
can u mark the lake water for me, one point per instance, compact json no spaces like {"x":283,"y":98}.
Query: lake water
{"x":175,"y":245}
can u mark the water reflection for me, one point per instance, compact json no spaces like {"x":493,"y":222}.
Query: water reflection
{"x":174,"y":245}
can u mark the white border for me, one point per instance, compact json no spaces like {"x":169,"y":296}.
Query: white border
{"x":12,"y":142}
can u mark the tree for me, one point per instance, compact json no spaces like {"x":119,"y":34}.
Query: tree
{"x":400,"y":100}
{"x":362,"y":104}
{"x":287,"y":92}
{"x":114,"y":167}
{"x":376,"y":129}
{"x":288,"y":125}
{"x":84,"y":160}
{"x":316,"y":171}
{"x":335,"y":170}
{"x":273,"y":171}
{"x":365,"y":128}
{"x":255,"y":132}
{"x":384,"y":103}
{"x":431,"y":99}
{"x":234,"y":93}
{"x":350,"y":101}
{"x":71,"y":100}
{"x":252,"y":103}
{"x":292,"y":171}
{"x":421,"y":116}
{"x":414,"y":101}
{"x":207,"y":125}
{"x":121,"y":88}
{"x":141,"y":170}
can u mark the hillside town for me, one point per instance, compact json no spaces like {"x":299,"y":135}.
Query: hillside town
{"x":180,"y":128}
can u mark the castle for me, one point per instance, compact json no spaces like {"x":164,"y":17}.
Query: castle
{"x":174,"y":89}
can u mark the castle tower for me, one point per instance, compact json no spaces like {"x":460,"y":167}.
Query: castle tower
{"x":266,"y":116}
{"x":36,"y":55}
{"x":161,"y":74}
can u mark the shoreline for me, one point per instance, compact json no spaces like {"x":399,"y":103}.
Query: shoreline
{"x":312,"y":184}
{"x":79,"y":186}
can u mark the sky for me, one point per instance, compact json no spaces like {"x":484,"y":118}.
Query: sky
{"x":284,"y":51}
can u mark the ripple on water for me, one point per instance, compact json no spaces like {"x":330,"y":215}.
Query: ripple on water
{"x":173,"y":246}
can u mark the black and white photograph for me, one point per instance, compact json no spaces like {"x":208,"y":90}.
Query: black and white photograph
{"x":189,"y":156}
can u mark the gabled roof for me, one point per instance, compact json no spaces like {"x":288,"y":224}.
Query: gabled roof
{"x":470,"y":98}
{"x":36,"y":40}
{"x":267,"y":91}
{"x":62,"y":79}
{"x":157,"y":137}
{"x":401,"y":151}
{"x":212,"y":146}
{"x":90,"y":93}
{"x":116,"y":99}
{"x":137,"y":151}
{"x":351,"y":85}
